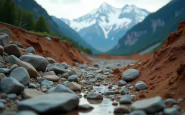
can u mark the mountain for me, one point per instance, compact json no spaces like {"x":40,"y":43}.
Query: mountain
{"x":37,"y":10}
{"x":73,"y":34}
{"x":107,"y":24}
{"x":152,"y":31}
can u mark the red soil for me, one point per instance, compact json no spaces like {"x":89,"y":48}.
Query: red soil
{"x":164,"y":73}
{"x":60,"y":51}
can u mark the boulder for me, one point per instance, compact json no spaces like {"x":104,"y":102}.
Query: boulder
{"x":4,"y":39}
{"x":40,"y":63}
{"x":21,"y":75}
{"x":12,"y":50}
{"x":11,"y":85}
{"x":30,"y":93}
{"x":130,"y":74}
{"x":151,"y":105}
{"x":140,"y":85}
{"x":31,"y":70}
{"x":51,"y":103}
{"x":61,"y":89}
{"x":30,"y":50}
{"x":74,"y":86}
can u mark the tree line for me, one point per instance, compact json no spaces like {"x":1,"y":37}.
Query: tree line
{"x":10,"y":14}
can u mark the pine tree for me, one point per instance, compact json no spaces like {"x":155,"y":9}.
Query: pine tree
{"x":41,"y":25}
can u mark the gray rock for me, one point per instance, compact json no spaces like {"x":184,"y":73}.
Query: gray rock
{"x":1,"y":50}
{"x":74,"y":78}
{"x":2,"y":106}
{"x":53,"y":78}
{"x":6,"y":71}
{"x":30,"y":93}
{"x":18,"y":44}
{"x":12,"y":59}
{"x":40,"y":79}
{"x":66,"y":83}
{"x":91,"y":81}
{"x":30,"y":50}
{"x":121,"y":110}
{"x":11,"y":85}
{"x":138,"y":112}
{"x":47,"y":83}
{"x":170,"y":101}
{"x":171,"y":111}
{"x":94,"y":95}
{"x":51,"y":60}
{"x":123,"y":91}
{"x":12,"y":96}
{"x":64,"y":64}
{"x":109,"y":92}
{"x":2,"y":76}
{"x":21,"y":75}
{"x":74,"y":86}
{"x":60,"y":88}
{"x":121,"y":82}
{"x":130,"y":74}
{"x":40,"y":63}
{"x":85,"y":107}
{"x":126,"y":99}
{"x":26,"y":113}
{"x":151,"y":105}
{"x":32,"y":85}
{"x":4,"y":39}
{"x":140,"y":85}
{"x":3,"y":101}
{"x":12,"y":50}
{"x":89,"y":75}
{"x":99,"y":77}
{"x":1,"y":65}
{"x":54,"y":102}
{"x":57,"y":68}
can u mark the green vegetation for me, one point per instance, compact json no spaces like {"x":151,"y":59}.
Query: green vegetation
{"x":21,"y":18}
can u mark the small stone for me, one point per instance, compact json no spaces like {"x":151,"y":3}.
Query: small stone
{"x":2,"y":106}
{"x":47,"y":83}
{"x":74,"y":78}
{"x":2,"y":76}
{"x":12,"y":96}
{"x":60,"y":88}
{"x":6,"y":71}
{"x":74,"y":86}
{"x":32,"y":85}
{"x":30,"y":50}
{"x":1,"y":50}
{"x":140,"y":85}
{"x":30,"y":93}
{"x":3,"y":101}
{"x":94,"y":95}
{"x":115,"y":103}
{"x":12,"y":50}
{"x":109,"y":92}
{"x":138,"y":112}
{"x":170,"y":101}
{"x":26,"y":113}
{"x":123,"y":91}
{"x":130,"y":74}
{"x":122,"y":82}
{"x":121,"y":110}
{"x":171,"y":111}
{"x":85,"y":107}
{"x":126,"y":99}
{"x":53,"y":78}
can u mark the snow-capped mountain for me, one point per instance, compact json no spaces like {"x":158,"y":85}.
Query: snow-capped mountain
{"x":103,"y":27}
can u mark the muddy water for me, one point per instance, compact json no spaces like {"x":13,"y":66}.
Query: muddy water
{"x":101,"y":107}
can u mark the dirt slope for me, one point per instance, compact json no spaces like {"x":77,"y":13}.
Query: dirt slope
{"x":60,"y":51}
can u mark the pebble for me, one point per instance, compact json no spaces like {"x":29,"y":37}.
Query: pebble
{"x":121,"y":110}
{"x":12,"y":96}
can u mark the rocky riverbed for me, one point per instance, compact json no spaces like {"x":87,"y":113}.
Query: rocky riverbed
{"x":31,"y":84}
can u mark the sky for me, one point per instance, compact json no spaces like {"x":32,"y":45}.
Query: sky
{"x":72,"y":9}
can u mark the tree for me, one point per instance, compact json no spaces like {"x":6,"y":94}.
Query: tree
{"x":41,"y":25}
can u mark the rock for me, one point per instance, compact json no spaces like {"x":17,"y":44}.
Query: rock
{"x":4,"y":39}
{"x":115,"y":103}
{"x":122,"y":82}
{"x":91,"y":81}
{"x":121,"y":110}
{"x":51,"y":103}
{"x":171,"y":111}
{"x":83,"y":82}
{"x":89,"y":75}
{"x":3,"y":101}
{"x":130,"y":74}
{"x":74,"y":86}
{"x":2,"y":106}
{"x":85,"y":107}
{"x":12,"y":96}
{"x":138,"y":112}
{"x":30,"y":50}
{"x":151,"y":105}
{"x":31,"y":70}
{"x":12,"y":67}
{"x":1,"y":65}
{"x":30,"y":93}
{"x":2,"y":76}
{"x":47,"y":83}
{"x":53,"y":78}
{"x":49,"y":73}
{"x":60,"y":88}
{"x":94,"y":95}
{"x":1,"y":50}
{"x":140,"y":85}
{"x":57,"y":68}
{"x":64,"y":64}
{"x":170,"y":101}
{"x":12,"y":50}
{"x":74,"y":78}
{"x":11,"y":85}
{"x":40,"y":63}
{"x":126,"y":99}
{"x":51,"y":60}
{"x":32,"y":85}
{"x":6,"y":71}
{"x":12,"y":59}
{"x":123,"y":91}
{"x":99,"y":77}
{"x":21,"y":75}
{"x":26,"y":113}
{"x":66,"y":83}
{"x":109,"y":92}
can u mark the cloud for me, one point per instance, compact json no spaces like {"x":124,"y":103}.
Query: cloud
{"x":72,"y":9}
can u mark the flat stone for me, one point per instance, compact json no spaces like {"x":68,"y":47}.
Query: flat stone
{"x":151,"y":105}
{"x":11,"y":85}
{"x":4,"y":39}
{"x":30,"y":93}
{"x":54,"y":102}
{"x":85,"y":107}
{"x":32,"y":85}
{"x":130,"y":74}
{"x":99,"y":77}
{"x":170,"y":101}
{"x":60,"y":89}
{"x":12,"y":96}
{"x":53,"y":78}
{"x":21,"y":74}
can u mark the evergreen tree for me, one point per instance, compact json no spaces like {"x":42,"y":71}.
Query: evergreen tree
{"x":41,"y":25}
